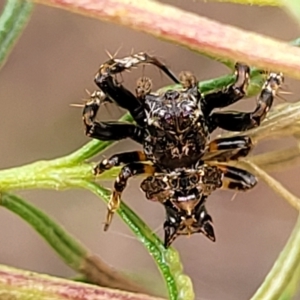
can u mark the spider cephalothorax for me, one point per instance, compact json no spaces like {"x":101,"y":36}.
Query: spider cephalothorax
{"x":176,"y":132}
{"x":183,"y":167}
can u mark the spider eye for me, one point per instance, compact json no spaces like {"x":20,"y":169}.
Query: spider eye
{"x":168,"y":117}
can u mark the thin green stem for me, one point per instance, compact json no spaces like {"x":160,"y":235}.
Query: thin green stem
{"x":283,"y":270}
{"x":14,"y":17}
{"x":69,"y":250}
{"x":293,"y":7}
{"x":293,"y":286}
{"x":179,"y":285}
{"x":285,"y":267}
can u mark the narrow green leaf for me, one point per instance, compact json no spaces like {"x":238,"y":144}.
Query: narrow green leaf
{"x":178,"y":284}
{"x":287,"y":264}
{"x":14,"y":17}
{"x":69,"y":250}
{"x":294,"y":8}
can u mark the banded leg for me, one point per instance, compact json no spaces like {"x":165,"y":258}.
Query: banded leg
{"x":225,"y":149}
{"x":130,"y":170}
{"x":115,"y":91}
{"x":230,"y":94}
{"x":119,"y":159}
{"x":107,"y":131}
{"x":241,"y":121}
{"x":237,"y":179}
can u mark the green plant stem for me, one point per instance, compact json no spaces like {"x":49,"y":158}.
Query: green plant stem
{"x":292,"y":287}
{"x":287,"y":265}
{"x":14,"y":17}
{"x":70,"y":250}
{"x":283,"y":271}
{"x":26,"y":285}
{"x":293,"y":7}
{"x":167,"y":260}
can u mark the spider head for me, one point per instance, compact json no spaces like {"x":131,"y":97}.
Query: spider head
{"x":174,"y":111}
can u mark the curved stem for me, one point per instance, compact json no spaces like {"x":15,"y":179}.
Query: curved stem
{"x":26,"y":285}
{"x":287,"y":265}
{"x":283,"y":270}
{"x":197,"y":33}
{"x":167,"y":260}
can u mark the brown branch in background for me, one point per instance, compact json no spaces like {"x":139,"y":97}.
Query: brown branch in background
{"x":278,"y":160}
{"x":97,"y":272}
{"x":24,"y":285}
{"x":272,"y":183}
{"x":192,"y":31}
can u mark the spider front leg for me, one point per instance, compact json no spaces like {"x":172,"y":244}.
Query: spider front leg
{"x":124,"y":98}
{"x":242,"y":121}
{"x":230,"y":94}
{"x":225,"y":149}
{"x":128,"y":171}
{"x":119,"y":159}
{"x":107,"y":131}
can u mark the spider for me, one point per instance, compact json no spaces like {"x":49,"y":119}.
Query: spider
{"x":183,"y":167}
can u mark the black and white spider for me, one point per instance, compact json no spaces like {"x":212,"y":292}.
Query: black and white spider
{"x":183,"y":167}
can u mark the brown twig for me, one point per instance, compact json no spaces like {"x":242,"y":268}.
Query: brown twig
{"x":192,"y":31}
{"x":24,"y":285}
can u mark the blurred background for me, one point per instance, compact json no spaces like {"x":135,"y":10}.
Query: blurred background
{"x":53,"y":63}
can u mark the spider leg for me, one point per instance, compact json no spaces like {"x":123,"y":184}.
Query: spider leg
{"x":230,"y":94}
{"x":242,"y":121}
{"x":119,"y":159}
{"x":237,"y":179}
{"x":128,"y":171}
{"x":225,"y":149}
{"x":107,"y":131}
{"x":124,"y":98}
